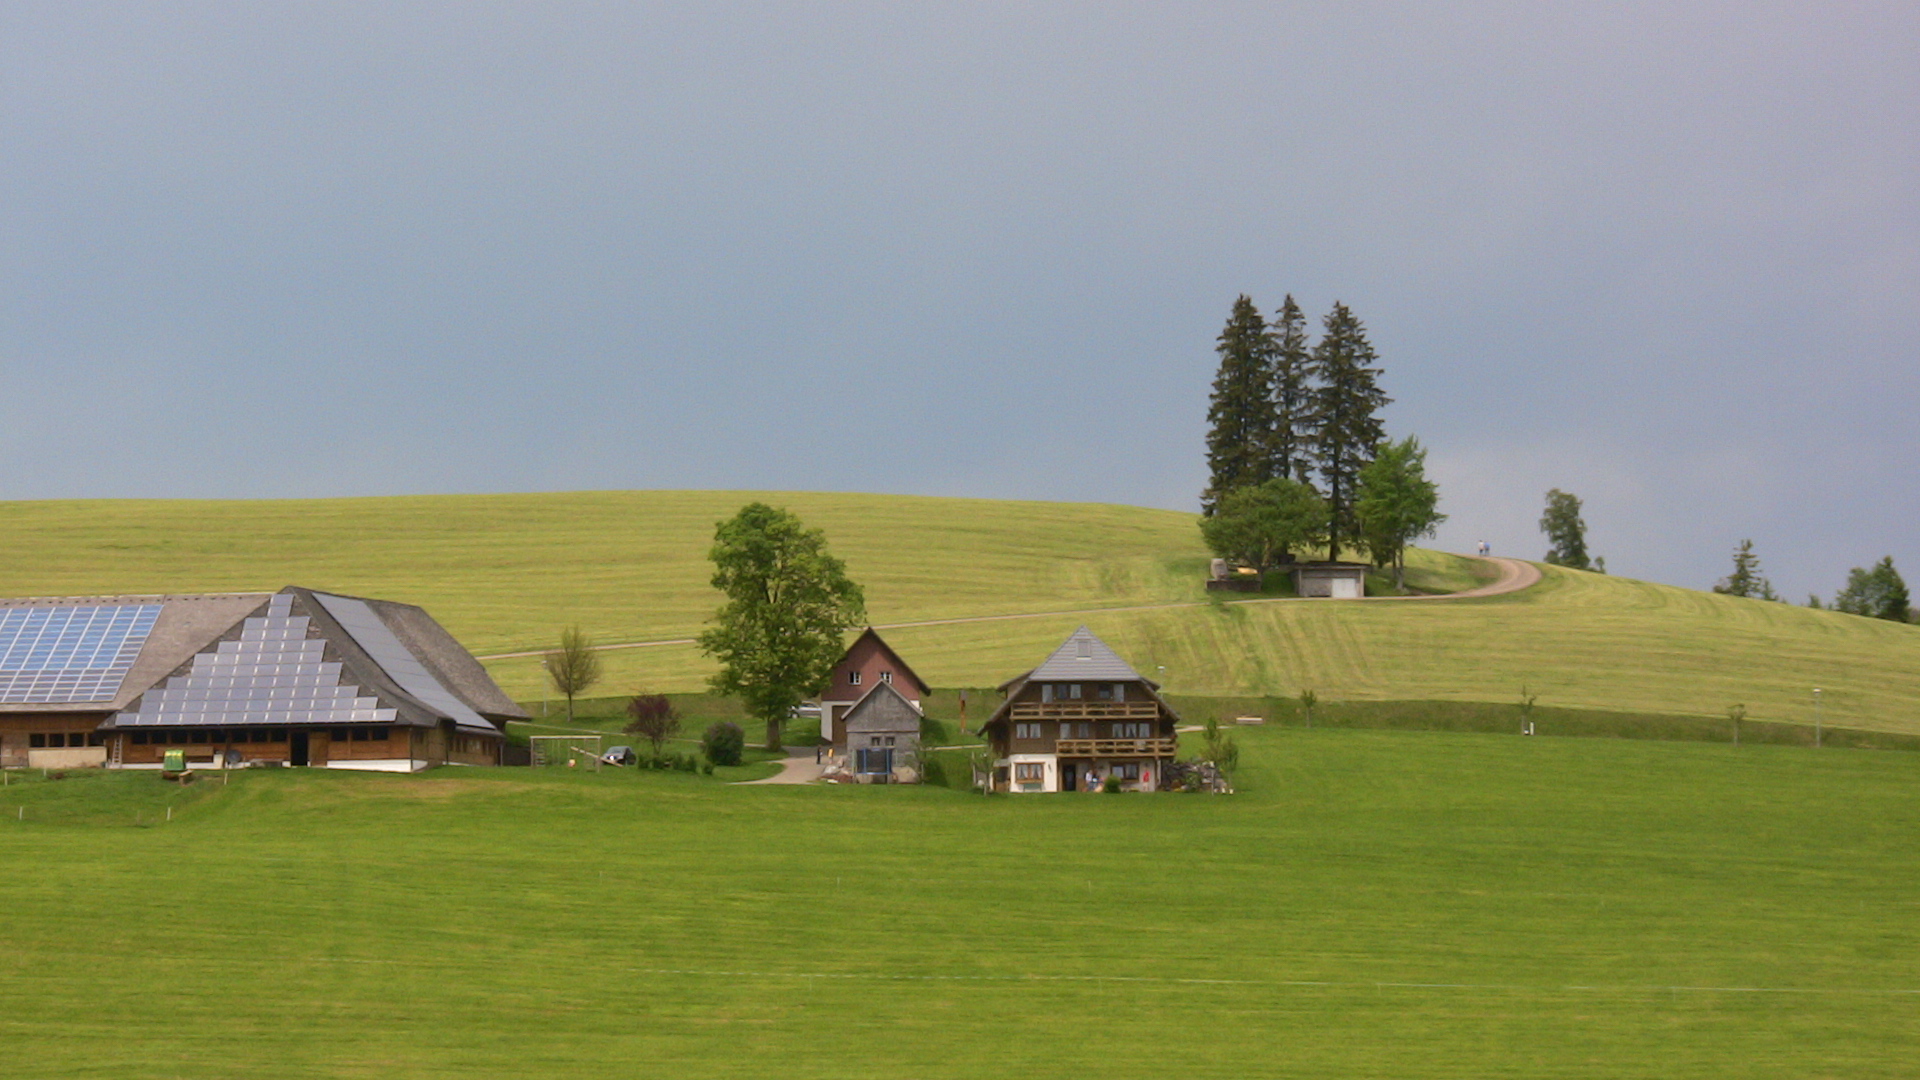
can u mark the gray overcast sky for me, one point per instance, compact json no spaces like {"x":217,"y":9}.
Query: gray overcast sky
{"x":1664,"y":256}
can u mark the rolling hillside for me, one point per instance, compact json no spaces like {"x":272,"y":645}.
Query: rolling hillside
{"x":506,"y":572}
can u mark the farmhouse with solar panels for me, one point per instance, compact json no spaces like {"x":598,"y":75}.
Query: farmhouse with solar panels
{"x":296,"y":677}
{"x":1079,"y":719}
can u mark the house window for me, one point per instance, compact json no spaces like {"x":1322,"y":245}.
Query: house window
{"x":1029,"y":772}
{"x":889,"y":740}
{"x":1026,"y":731}
{"x":1126,"y":770}
{"x":887,"y":677}
{"x":853,"y":678}
{"x":1133,"y":731}
{"x":1105,"y":692}
{"x":1119,"y":691}
{"x":1073,"y":691}
{"x":38,"y":740}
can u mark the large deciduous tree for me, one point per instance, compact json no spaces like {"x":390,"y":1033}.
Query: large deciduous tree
{"x":1566,"y":531}
{"x":1394,"y":503}
{"x":788,"y":605}
{"x":1240,"y":417}
{"x":1876,"y":591}
{"x":1259,"y":525}
{"x":1344,"y":418}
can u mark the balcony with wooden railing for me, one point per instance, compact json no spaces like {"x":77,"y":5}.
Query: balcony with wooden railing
{"x":1114,"y":748}
{"x":1085,"y":710}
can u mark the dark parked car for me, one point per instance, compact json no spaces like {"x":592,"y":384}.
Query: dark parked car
{"x":619,"y":755}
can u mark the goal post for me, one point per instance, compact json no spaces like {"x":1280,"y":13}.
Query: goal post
{"x":562,"y":750}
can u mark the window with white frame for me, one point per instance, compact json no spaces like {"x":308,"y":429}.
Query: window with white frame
{"x":887,"y":677}
{"x":1029,"y":772}
{"x":853,"y":678}
{"x":1133,"y":731}
{"x":1026,"y":731}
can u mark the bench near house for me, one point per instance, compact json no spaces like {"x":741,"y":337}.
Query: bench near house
{"x":1079,"y":718}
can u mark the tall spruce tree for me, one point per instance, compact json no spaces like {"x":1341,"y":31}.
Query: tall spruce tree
{"x":1343,"y":418}
{"x":1292,"y":394}
{"x":1240,"y":418}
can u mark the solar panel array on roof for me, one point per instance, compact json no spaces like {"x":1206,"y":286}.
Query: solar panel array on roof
{"x":58,"y":653}
{"x":275,"y":674}
{"x":360,"y":620}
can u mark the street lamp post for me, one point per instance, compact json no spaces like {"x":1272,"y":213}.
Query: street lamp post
{"x":1816,"y":716}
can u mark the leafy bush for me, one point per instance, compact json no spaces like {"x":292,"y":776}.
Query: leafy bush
{"x":654,"y":719}
{"x":1111,"y":785}
{"x":723,"y":743}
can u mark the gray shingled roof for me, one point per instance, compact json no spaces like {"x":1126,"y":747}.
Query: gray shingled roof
{"x":1083,"y":658}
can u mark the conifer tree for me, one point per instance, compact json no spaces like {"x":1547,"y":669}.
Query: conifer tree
{"x":1292,"y":394}
{"x":1745,"y":579}
{"x":1343,"y":418}
{"x":1240,"y":419}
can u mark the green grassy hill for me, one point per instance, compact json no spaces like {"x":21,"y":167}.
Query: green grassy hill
{"x":506,"y":572}
{"x":1371,"y":904}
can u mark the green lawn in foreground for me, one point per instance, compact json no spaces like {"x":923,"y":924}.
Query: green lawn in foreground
{"x":506,"y":572}
{"x":1372,"y":904}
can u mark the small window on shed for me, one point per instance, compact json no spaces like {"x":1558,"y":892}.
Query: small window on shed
{"x":887,"y":677}
{"x":853,"y":678}
{"x":37,"y":740}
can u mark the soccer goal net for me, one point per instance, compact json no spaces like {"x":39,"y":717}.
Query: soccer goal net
{"x":581,"y":750}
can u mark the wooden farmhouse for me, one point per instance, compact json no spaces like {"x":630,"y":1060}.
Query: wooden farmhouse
{"x":1078,"y":719}
{"x":870,"y":715}
{"x":296,"y":677}
{"x":867,"y":663}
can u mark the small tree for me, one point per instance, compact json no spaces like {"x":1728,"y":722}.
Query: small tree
{"x":1876,"y":592}
{"x":1527,"y":698}
{"x":1745,"y":579}
{"x":1308,"y":699}
{"x":1258,"y":526}
{"x":1395,"y":503}
{"x":1566,"y":531}
{"x":573,"y":667}
{"x":1736,"y":713}
{"x":653,"y":718}
{"x":788,"y":604}
{"x":723,"y":743}
{"x":1221,"y":749}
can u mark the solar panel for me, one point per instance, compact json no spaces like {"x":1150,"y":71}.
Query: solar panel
{"x":396,"y":659}
{"x":275,"y":674}
{"x":58,"y":653}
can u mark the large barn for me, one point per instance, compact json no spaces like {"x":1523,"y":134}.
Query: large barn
{"x":297,"y":677}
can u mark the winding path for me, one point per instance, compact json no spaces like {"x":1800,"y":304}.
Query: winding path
{"x":1515,"y":575}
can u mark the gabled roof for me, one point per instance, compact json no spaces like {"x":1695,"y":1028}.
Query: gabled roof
{"x":882,"y":708}
{"x":899,"y":665}
{"x":1081,"y":658}
{"x":1084,"y":658}
{"x":306,"y":657}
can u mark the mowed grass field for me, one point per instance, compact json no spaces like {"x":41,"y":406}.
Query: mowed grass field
{"x":1371,"y":904}
{"x":506,"y":572}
